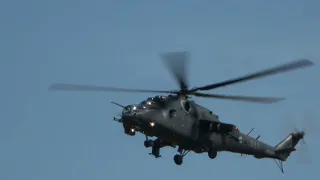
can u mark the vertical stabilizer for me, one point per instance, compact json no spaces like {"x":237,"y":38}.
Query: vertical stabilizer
{"x":287,"y":146}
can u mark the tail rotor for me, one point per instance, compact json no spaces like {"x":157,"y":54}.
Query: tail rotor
{"x":310,"y":128}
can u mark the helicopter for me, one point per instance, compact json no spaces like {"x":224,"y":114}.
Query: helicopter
{"x":177,"y":120}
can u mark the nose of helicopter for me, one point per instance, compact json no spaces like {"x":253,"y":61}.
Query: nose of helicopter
{"x":140,"y":116}
{"x":132,"y":113}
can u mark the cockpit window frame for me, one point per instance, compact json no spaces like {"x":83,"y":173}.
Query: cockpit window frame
{"x":130,"y":109}
{"x":127,"y":109}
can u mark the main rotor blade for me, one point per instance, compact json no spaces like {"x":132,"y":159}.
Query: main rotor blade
{"x":177,"y":63}
{"x":75,"y":87}
{"x":265,"y":100}
{"x":271,"y":71}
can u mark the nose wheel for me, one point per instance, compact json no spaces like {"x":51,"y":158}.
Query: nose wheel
{"x":148,"y":143}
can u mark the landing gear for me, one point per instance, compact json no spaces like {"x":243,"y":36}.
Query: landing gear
{"x":156,"y":145}
{"x":279,"y":164}
{"x":178,"y":158}
{"x":148,"y":143}
{"x":212,"y":153}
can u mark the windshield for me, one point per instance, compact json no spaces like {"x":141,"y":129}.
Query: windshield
{"x":151,"y":103}
{"x":141,"y":106}
{"x":158,"y":98}
{"x":129,"y":109}
{"x":148,"y":102}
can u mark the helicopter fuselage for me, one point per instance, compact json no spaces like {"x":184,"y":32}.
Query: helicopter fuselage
{"x":182,"y":122}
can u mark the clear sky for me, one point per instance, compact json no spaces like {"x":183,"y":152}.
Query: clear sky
{"x":71,"y":135}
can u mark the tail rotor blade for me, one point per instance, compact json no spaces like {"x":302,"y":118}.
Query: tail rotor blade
{"x":311,"y":127}
{"x":303,"y":154}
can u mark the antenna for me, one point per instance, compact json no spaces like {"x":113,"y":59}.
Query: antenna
{"x":117,"y":104}
{"x":250,"y":131}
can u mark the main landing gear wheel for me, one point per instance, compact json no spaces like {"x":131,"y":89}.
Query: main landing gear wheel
{"x":212,"y":153}
{"x":178,"y":159}
{"x":148,"y":143}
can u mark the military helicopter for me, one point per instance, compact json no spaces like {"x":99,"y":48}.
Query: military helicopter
{"x":177,"y":120}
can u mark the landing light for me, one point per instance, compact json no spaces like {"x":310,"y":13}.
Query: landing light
{"x":152,"y":124}
{"x":132,"y":130}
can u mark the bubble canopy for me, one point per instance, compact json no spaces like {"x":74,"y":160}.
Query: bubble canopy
{"x":151,"y":102}
{"x":129,"y":109}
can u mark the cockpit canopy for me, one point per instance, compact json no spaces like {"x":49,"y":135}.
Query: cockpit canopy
{"x":152,"y":101}
{"x":158,"y":98}
{"x":129,"y":109}
{"x":146,"y":102}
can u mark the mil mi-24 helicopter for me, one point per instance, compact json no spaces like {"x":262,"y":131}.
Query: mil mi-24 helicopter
{"x":176,"y":120}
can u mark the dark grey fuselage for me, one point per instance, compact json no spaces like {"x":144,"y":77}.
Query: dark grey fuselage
{"x":193,"y":127}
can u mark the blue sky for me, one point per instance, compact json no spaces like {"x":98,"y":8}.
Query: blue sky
{"x":71,"y":135}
